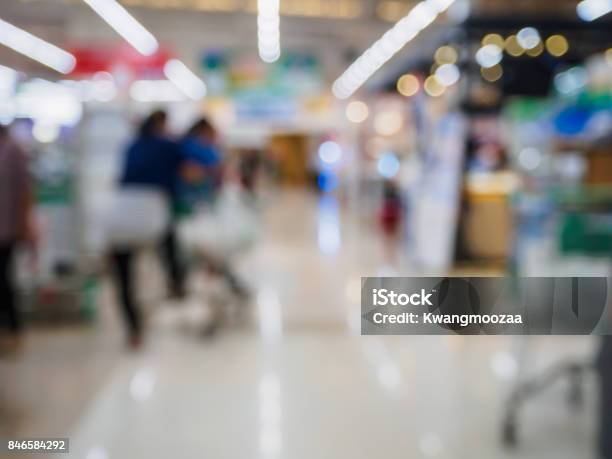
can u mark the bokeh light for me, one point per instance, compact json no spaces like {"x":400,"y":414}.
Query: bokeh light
{"x":357,"y":112}
{"x":388,"y":122}
{"x":330,"y":152}
{"x":571,"y":81}
{"x":528,"y":38}
{"x":493,"y":39}
{"x":446,"y":55}
{"x":447,"y":74}
{"x":408,"y":85}
{"x":489,"y":55}
{"x":388,"y":165}
{"x":513,"y":47}
{"x":433,"y":87}
{"x":536,"y":51}
{"x":557,"y":45}
{"x":492,"y":74}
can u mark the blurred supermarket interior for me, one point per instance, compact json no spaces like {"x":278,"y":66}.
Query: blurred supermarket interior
{"x":350,"y":138}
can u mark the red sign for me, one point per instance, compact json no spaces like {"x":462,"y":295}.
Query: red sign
{"x":96,"y":58}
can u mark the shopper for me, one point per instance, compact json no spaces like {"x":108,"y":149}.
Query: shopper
{"x":250,"y":162}
{"x":152,"y":160}
{"x":16,"y":227}
{"x":391,"y":209}
{"x":201,"y":180}
{"x":202,"y":170}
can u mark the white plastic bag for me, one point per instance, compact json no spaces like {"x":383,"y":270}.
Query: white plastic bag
{"x":137,"y":216}
{"x":223,"y":231}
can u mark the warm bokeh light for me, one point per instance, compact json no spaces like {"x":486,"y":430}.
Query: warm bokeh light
{"x":557,"y":45}
{"x":513,"y":47}
{"x":388,"y":123}
{"x":446,"y":55}
{"x":357,"y":112}
{"x":492,"y":74}
{"x":536,"y":51}
{"x":493,"y":39}
{"x":408,"y":85}
{"x":433,"y":87}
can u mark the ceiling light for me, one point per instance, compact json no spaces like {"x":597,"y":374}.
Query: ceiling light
{"x":405,"y":30}
{"x":589,"y":10}
{"x":33,"y":47}
{"x":125,"y":25}
{"x":268,"y":34}
{"x":184,"y":79}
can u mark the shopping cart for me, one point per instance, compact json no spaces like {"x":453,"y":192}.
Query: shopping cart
{"x":214,"y":237}
{"x":584,"y":218}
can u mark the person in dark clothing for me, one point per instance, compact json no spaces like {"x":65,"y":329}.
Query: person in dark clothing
{"x":250,"y":162}
{"x":154,"y":161}
{"x":391,"y":210}
{"x":16,"y":227}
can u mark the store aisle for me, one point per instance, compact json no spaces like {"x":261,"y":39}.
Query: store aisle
{"x":295,"y":381}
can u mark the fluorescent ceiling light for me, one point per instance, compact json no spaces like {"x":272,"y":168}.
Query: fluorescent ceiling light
{"x":125,"y":25}
{"x":184,"y":79}
{"x":589,"y":10}
{"x":405,"y":30}
{"x":268,"y":29}
{"x":35,"y":48}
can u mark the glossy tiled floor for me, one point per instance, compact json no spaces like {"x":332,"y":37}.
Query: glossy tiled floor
{"x":295,"y":379}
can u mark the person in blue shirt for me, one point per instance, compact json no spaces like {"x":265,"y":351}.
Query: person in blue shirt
{"x":152,"y":160}
{"x":200,"y":144}
{"x":201,"y":173}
